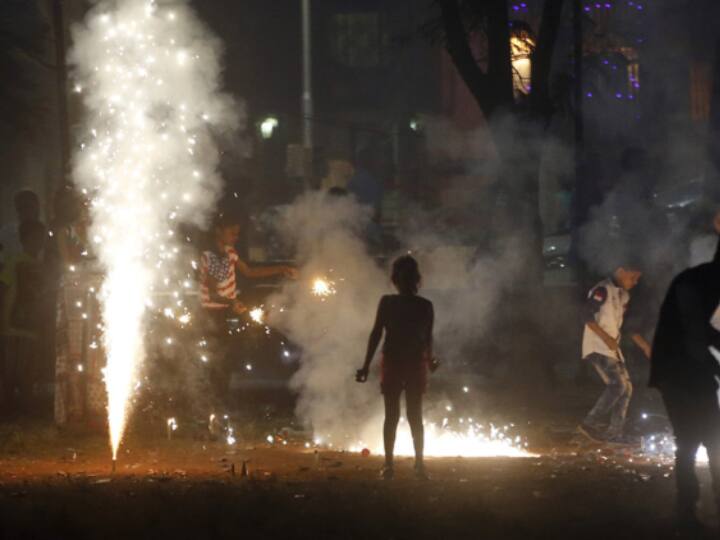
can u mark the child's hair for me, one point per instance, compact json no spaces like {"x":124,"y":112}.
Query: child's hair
{"x":406,"y":275}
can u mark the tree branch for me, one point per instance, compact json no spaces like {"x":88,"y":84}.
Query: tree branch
{"x":499,"y":57}
{"x":540,"y":103}
{"x":458,"y":47}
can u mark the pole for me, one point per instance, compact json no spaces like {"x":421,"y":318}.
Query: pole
{"x":59,"y":31}
{"x":578,"y":72}
{"x":578,"y":206}
{"x":307,"y":102}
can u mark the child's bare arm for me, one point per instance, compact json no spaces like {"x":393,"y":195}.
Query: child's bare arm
{"x":373,"y":342}
{"x":265,"y":271}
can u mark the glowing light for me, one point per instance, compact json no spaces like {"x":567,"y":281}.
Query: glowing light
{"x":323,"y":288}
{"x":257,"y":314}
{"x":474,"y":440}
{"x":268,"y":126}
{"x":521,"y":49}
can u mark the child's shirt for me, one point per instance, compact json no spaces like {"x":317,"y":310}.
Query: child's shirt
{"x":408,"y":324}
{"x":217,"y":278}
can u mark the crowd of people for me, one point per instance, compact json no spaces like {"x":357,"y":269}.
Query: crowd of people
{"x":50,"y":342}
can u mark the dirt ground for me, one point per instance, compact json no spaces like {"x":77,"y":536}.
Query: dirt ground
{"x":54,"y":486}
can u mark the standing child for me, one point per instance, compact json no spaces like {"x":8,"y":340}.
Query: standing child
{"x":407,"y":320}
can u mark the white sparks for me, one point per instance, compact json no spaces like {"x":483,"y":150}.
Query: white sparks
{"x":135,"y":67}
{"x":257,"y":315}
{"x":470,"y":440}
{"x":323,"y":288}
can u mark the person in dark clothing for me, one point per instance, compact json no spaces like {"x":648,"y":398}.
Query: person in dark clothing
{"x":685,"y":371}
{"x":407,"y":321}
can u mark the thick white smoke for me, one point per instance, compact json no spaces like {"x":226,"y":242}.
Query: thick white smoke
{"x":149,"y":74}
{"x":328,"y":233}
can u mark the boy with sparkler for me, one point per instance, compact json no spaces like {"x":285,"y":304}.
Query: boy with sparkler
{"x":607,"y":303}
{"x":218,"y":289}
{"x":407,"y":321}
{"x":218,"y":268}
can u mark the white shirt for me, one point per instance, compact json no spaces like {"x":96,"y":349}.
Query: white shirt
{"x":610,"y":303}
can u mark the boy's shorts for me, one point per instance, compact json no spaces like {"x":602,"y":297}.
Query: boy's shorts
{"x":398,"y":376}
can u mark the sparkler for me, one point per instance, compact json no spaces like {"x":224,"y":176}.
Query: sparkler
{"x":257,"y":315}
{"x":171,"y":426}
{"x":149,"y":80}
{"x":323,"y":287}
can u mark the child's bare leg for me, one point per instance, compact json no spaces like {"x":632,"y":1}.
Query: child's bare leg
{"x":392,"y":417}
{"x":413,"y":403}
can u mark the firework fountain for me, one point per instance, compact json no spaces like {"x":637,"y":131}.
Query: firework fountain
{"x":149,"y":76}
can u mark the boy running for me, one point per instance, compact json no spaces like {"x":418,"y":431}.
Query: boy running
{"x":607,"y":303}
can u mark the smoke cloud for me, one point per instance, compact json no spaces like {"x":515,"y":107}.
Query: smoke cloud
{"x":464,"y":283}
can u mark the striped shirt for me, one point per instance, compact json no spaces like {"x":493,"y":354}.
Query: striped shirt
{"x":217,"y":277}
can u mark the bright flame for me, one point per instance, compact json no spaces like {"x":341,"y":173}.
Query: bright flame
{"x":323,"y":287}
{"x":149,"y":82}
{"x":257,"y":314}
{"x":470,"y":440}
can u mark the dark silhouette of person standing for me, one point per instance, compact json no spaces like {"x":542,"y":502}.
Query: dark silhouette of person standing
{"x":407,"y":321}
{"x":685,"y":370}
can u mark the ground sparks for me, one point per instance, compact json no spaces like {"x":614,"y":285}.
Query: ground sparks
{"x":465,"y":439}
{"x":474,"y":440}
